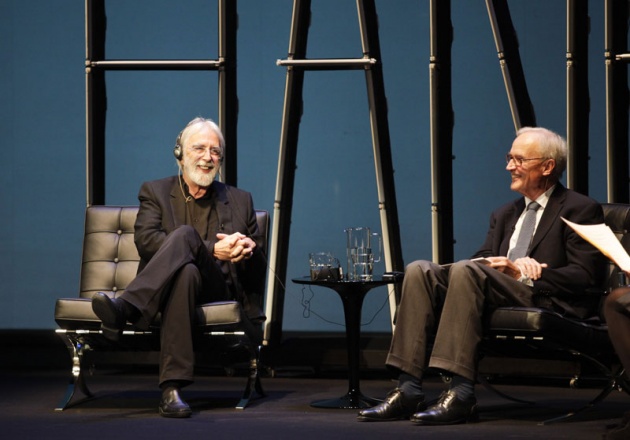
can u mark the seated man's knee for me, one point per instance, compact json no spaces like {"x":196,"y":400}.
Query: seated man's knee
{"x":462,"y":267}
{"x":418,"y":268}
{"x":413,"y":274}
{"x":185,"y":235}
{"x":184,"y":231}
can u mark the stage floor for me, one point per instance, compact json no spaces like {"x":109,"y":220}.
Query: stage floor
{"x":125,"y":407}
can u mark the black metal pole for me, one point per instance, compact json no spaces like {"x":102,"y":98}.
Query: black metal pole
{"x":617,"y":100}
{"x":95,"y":102}
{"x":381,"y":141}
{"x":441,"y":131}
{"x":578,"y":100}
{"x":510,"y":61}
{"x":228,"y":96}
{"x":283,"y":205}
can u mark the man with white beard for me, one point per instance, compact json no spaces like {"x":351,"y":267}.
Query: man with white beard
{"x":198,"y":242}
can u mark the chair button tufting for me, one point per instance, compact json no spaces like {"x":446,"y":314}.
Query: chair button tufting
{"x":119,"y":232}
{"x":114,"y":289}
{"x":116,"y":260}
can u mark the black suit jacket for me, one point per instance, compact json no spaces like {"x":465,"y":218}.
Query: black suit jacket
{"x":573,"y":264}
{"x":163,"y":209}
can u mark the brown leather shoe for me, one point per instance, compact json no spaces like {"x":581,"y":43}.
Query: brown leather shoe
{"x":449,"y":410}
{"x":172,"y":405}
{"x":395,"y":407}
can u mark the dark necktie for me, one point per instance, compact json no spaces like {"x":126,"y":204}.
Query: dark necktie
{"x":527,"y":231}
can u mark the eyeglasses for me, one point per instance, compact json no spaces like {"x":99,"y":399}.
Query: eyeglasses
{"x":518,"y":160}
{"x":200,"y":151}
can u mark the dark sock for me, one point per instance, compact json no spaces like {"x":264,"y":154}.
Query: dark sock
{"x":464,"y":388}
{"x":411,"y":386}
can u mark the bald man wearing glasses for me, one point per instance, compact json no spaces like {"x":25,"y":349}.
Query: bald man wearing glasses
{"x":530,"y":258}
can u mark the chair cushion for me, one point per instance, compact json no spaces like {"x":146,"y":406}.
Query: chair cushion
{"x":76,"y":313}
{"x":548,"y":326}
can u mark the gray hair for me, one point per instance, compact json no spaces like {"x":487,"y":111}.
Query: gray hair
{"x":187,"y":131}
{"x":551,"y":145}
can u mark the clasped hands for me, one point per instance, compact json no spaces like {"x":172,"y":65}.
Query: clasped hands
{"x":233,"y":247}
{"x":521,"y":267}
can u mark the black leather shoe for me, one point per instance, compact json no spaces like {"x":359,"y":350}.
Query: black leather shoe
{"x":395,"y":407}
{"x":449,"y":410}
{"x":172,"y":405}
{"x":111,"y":312}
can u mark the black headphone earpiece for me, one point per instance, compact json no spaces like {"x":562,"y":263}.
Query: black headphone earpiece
{"x":177,"y":150}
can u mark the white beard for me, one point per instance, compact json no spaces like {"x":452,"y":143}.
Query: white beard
{"x":197,"y":176}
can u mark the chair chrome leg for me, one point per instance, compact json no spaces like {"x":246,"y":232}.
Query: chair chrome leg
{"x":482,"y":380}
{"x":615,"y":382}
{"x":601,"y":396}
{"x":253,"y":381}
{"x":77,"y":350}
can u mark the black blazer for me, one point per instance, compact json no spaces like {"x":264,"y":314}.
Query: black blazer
{"x":163,"y":209}
{"x":573,"y":264}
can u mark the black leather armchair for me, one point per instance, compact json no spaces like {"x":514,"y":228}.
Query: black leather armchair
{"x":110,"y":261}
{"x":539,"y":333}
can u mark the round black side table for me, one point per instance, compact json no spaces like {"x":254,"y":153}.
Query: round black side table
{"x":352,"y":294}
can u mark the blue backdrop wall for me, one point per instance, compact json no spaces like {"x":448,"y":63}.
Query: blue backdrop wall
{"x":42,"y":126}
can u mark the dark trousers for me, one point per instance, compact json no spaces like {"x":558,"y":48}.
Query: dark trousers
{"x":180,"y":275}
{"x":448,"y":302}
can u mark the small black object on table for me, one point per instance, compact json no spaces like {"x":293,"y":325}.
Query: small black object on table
{"x":352,"y":294}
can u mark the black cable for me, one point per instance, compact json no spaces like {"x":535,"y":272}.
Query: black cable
{"x":307,"y":311}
